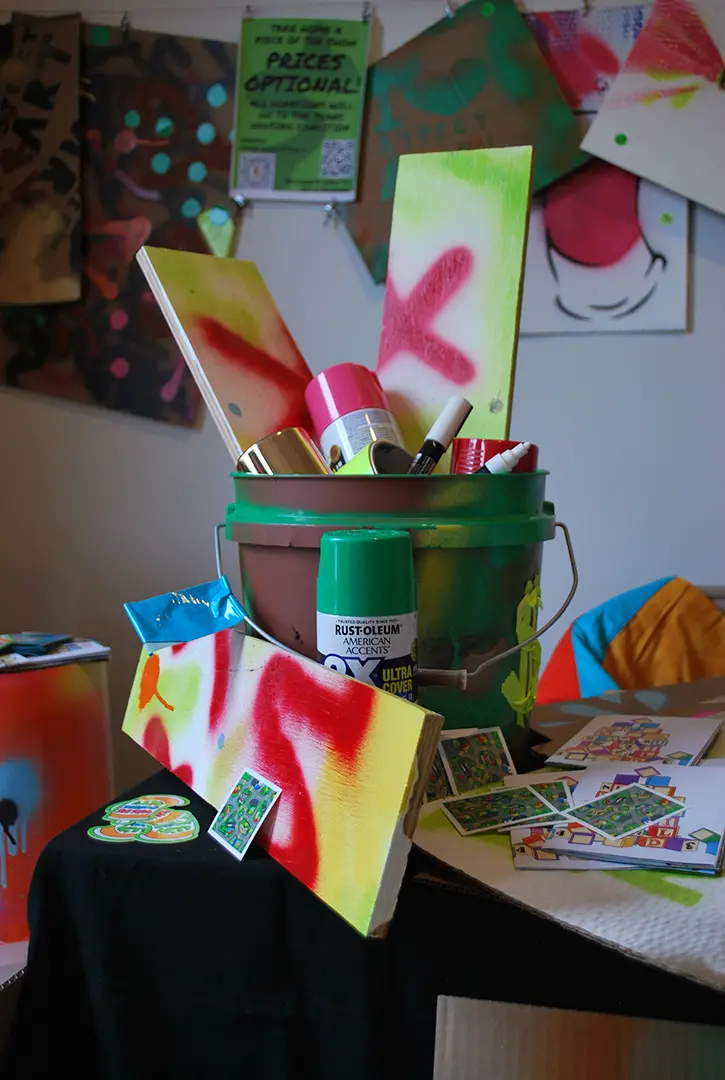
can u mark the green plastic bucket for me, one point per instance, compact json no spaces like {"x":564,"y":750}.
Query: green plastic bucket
{"x":477,"y":543}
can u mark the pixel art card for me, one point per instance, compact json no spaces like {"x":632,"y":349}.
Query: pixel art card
{"x":495,"y":809}
{"x":474,"y":759}
{"x":664,"y":117}
{"x":475,"y":80}
{"x":689,"y":840}
{"x":243,"y":813}
{"x":452,"y":298}
{"x":40,"y":162}
{"x":627,"y":810}
{"x":674,"y":740}
{"x":607,"y":251}
{"x":156,"y":115}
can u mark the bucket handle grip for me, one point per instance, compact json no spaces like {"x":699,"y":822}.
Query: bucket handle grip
{"x":461,"y":678}
{"x":470,"y":676}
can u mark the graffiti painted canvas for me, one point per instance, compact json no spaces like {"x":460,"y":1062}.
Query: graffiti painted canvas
{"x":453,"y":294}
{"x":607,"y":250}
{"x":156,"y":116}
{"x":54,"y":769}
{"x":352,"y":761}
{"x":243,"y":358}
{"x":471,"y":81}
{"x":664,"y":117}
{"x":40,"y":161}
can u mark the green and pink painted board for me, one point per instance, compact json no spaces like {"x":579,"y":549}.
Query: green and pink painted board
{"x":453,"y":294}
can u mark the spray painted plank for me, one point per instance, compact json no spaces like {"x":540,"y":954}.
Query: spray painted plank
{"x":351,"y":760}
{"x":236,"y":344}
{"x":664,"y":117}
{"x":453,"y":294}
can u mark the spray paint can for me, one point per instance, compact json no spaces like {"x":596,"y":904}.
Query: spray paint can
{"x":349,"y":409}
{"x":367,"y":618}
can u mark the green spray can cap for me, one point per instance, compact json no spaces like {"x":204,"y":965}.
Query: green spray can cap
{"x":366,"y":572}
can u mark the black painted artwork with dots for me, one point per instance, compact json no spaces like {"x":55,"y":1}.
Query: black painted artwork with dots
{"x":156,"y":120}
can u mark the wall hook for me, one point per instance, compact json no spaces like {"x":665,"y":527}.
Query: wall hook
{"x":330,"y":214}
{"x":449,"y":10}
{"x":367,"y":11}
{"x":125,"y":24}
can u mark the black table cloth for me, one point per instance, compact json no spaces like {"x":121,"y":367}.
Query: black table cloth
{"x":160,"y":961}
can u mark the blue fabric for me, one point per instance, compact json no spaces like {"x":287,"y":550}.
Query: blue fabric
{"x":593,"y":633}
{"x":185,"y":615}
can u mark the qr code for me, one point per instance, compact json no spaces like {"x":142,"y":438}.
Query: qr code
{"x":338,"y":159}
{"x":256,"y":171}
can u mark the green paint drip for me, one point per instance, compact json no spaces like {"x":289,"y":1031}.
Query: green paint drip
{"x":656,"y":883}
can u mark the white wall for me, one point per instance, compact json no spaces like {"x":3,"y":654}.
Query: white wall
{"x":97,"y":508}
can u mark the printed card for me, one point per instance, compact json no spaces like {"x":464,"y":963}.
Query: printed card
{"x":625,"y":811}
{"x":245,"y":808}
{"x":669,"y":740}
{"x":474,"y":759}
{"x":438,"y":786}
{"x":557,"y":791}
{"x":494,"y":809}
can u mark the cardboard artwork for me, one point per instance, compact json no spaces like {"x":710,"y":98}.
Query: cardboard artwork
{"x":40,"y":162}
{"x":478,"y":1040}
{"x":453,"y":294}
{"x":667,"y":919}
{"x":250,"y":373}
{"x":607,"y":251}
{"x":150,"y":819}
{"x":664,"y":117}
{"x":156,"y":113}
{"x":351,"y":761}
{"x":471,"y":81}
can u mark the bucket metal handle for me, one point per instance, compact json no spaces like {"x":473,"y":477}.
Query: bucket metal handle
{"x":429,"y":676}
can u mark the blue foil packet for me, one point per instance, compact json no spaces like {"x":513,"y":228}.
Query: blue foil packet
{"x":185,"y":615}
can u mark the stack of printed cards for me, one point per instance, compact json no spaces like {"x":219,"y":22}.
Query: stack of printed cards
{"x":467,"y":760}
{"x":664,"y":816}
{"x":495,"y":811}
{"x":643,"y":740}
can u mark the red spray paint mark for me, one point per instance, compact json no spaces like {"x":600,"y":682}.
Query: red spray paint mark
{"x":591,"y":216}
{"x":222,"y":668}
{"x":313,"y":711}
{"x":185,"y":773}
{"x":675,"y":41}
{"x":254,"y":361}
{"x":407,"y":323}
{"x":156,"y":741}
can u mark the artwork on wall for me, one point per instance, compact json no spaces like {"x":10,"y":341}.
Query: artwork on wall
{"x":452,"y":298}
{"x":471,"y":81}
{"x":156,"y":121}
{"x":40,"y":161}
{"x":251,"y":374}
{"x":212,"y":708}
{"x":607,"y":251}
{"x":664,"y":117}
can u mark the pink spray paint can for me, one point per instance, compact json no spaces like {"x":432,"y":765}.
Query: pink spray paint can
{"x":349,"y":409}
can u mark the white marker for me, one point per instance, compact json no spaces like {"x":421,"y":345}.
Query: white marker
{"x":507,"y":460}
{"x":441,"y":435}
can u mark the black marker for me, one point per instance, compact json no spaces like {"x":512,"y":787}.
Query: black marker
{"x":441,"y":435}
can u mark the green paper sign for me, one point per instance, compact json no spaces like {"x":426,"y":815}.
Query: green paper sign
{"x":300,"y":94}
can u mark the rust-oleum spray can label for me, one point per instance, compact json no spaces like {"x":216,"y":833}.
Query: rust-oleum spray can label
{"x":367,"y":619}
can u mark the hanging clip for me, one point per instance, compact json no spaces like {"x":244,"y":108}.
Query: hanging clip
{"x":125,"y":25}
{"x":449,"y":10}
{"x":586,"y":8}
{"x":248,"y":14}
{"x":240,"y":201}
{"x":330,"y":214}
{"x":367,"y":11}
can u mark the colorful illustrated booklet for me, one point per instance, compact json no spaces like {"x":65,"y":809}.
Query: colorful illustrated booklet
{"x":672,"y":740}
{"x":688,"y":838}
